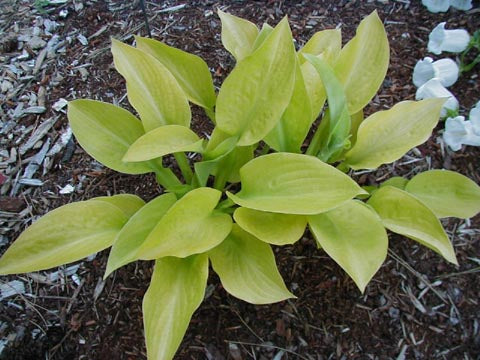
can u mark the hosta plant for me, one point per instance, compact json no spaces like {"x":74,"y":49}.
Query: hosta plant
{"x":260,"y":179}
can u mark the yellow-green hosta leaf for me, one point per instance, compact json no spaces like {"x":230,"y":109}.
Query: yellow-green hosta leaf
{"x":396,"y":181}
{"x":335,"y":136}
{"x":315,"y":89}
{"x":293,"y":184}
{"x":272,"y":228}
{"x":292,"y":129}
{"x":136,"y":230}
{"x":387,"y":135}
{"x":446,"y":193}
{"x":356,"y":121}
{"x":354,"y":236}
{"x":152,"y":90}
{"x":128,"y":203}
{"x":64,"y":235}
{"x":326,"y":42}
{"x":190,"y":226}
{"x":161,"y":141}
{"x":258,"y":90}
{"x":175,"y":292}
{"x":404,"y":214}
{"x":246,"y":267}
{"x":105,"y":132}
{"x":363,"y":62}
{"x":262,"y":35}
{"x":189,"y":70}
{"x":238,"y":35}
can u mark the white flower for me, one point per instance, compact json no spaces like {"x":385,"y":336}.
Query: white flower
{"x":475,"y":118}
{"x":445,"y":70}
{"x":441,"y":39}
{"x":434,"y":89}
{"x":459,"y":132}
{"x":455,"y":132}
{"x":461,"y":4}
{"x":436,"y":6}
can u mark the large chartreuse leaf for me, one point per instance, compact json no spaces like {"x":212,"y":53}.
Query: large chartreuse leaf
{"x":396,"y":181}
{"x":325,"y":42}
{"x":152,"y":89}
{"x":335,"y":137}
{"x":262,"y":35}
{"x":273,"y":228}
{"x":292,"y":129}
{"x":190,"y":226}
{"x":106,"y":132}
{"x":128,"y":203}
{"x":190,"y":71}
{"x":363,"y":62}
{"x":258,"y":90}
{"x":446,"y":193}
{"x":354,"y":236}
{"x":175,"y":292}
{"x":246,"y":267}
{"x":136,"y":230}
{"x":404,"y":214}
{"x":66,"y":234}
{"x":315,"y":89}
{"x":238,"y":35}
{"x":161,"y":141}
{"x":293,"y":184}
{"x":387,"y":135}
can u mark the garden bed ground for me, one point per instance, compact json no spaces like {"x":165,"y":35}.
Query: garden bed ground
{"x":416,"y":307}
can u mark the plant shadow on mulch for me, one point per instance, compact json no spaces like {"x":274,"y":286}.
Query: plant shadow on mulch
{"x":417,"y":305}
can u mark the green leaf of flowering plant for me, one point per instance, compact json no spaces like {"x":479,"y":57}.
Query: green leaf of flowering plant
{"x":353,"y":236}
{"x":396,"y":181}
{"x":238,"y":35}
{"x":293,"y":184}
{"x":446,"y":193}
{"x":136,"y":230}
{"x":190,"y":226}
{"x":292,"y":129}
{"x":190,"y":71}
{"x":386,"y":136}
{"x":262,"y":36}
{"x":258,"y":90}
{"x":335,"y":136}
{"x":404,"y":214}
{"x":363,"y":62}
{"x":246,"y":267}
{"x":272,"y":228}
{"x":161,"y":141}
{"x":128,"y":203}
{"x":105,"y":132}
{"x":175,"y":292}
{"x":328,"y":43}
{"x":152,"y":90}
{"x":66,"y":234}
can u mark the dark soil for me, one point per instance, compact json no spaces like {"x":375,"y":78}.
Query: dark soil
{"x":416,"y":307}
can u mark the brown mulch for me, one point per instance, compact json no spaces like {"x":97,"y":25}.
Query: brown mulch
{"x":416,"y":307}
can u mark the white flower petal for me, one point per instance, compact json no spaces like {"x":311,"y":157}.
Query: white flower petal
{"x":434,"y":89}
{"x":455,"y":132}
{"x":446,"y":70}
{"x":423,"y":71}
{"x":474,"y":118}
{"x":471,"y":138}
{"x":441,"y":39}
{"x":461,"y":4}
{"x":436,"y":6}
